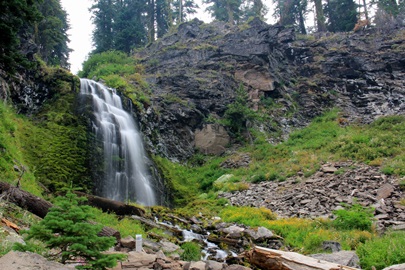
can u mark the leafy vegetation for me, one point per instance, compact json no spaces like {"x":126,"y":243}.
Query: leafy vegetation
{"x":11,"y":151}
{"x":383,"y":251}
{"x":302,"y":235}
{"x":354,"y":217}
{"x":119,"y":71}
{"x":192,"y":252}
{"x":67,"y":231}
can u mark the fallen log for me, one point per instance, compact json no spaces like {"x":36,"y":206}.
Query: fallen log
{"x":271,"y":259}
{"x":24,"y":199}
{"x":108,"y":205}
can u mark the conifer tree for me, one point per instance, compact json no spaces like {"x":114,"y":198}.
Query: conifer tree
{"x":51,"y":34}
{"x":292,"y":13}
{"x":66,"y":229}
{"x":225,"y":10}
{"x":17,"y":18}
{"x":341,"y":15}
{"x":254,"y":8}
{"x":320,"y":17}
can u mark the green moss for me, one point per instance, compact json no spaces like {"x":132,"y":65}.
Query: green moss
{"x":121,"y":72}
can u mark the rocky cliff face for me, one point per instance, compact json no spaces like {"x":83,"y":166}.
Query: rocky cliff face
{"x":195,"y":71}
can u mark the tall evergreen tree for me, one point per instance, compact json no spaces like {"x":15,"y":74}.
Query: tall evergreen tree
{"x":17,"y":18}
{"x":320,"y":17}
{"x":254,"y":8}
{"x":183,"y":8}
{"x":51,"y":34}
{"x":104,"y":13}
{"x":225,"y":10}
{"x":162,"y":17}
{"x":128,"y":28}
{"x":341,"y":15}
{"x":292,"y":13}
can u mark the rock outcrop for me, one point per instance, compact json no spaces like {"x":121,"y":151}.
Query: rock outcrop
{"x":195,"y":71}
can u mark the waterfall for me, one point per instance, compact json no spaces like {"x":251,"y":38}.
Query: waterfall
{"x":125,"y":177}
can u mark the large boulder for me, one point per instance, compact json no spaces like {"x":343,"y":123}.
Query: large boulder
{"x":212,"y":139}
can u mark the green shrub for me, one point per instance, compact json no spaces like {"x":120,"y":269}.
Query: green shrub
{"x":67,"y":231}
{"x":250,"y":216}
{"x":192,"y":252}
{"x":259,"y":178}
{"x":354,"y":217}
{"x":382,"y":252}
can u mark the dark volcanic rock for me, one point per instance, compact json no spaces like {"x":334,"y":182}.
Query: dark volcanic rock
{"x":195,"y":71}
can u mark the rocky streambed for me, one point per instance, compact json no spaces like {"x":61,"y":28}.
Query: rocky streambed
{"x":333,"y":185}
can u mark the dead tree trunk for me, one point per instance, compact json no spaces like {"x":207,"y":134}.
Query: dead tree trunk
{"x":272,"y":259}
{"x":108,"y":205}
{"x":24,"y":199}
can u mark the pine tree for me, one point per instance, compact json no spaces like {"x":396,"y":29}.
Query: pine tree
{"x":341,"y":15}
{"x":128,"y":28}
{"x":225,"y":10}
{"x":320,"y":17}
{"x":253,"y":8}
{"x":104,"y":13}
{"x":51,"y":34}
{"x":66,"y":229}
{"x":182,"y":8}
{"x":292,"y":13}
{"x":17,"y":18}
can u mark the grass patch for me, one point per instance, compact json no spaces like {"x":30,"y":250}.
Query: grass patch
{"x":382,"y":252}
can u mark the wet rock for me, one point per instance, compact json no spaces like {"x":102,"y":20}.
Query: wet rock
{"x":236,"y":267}
{"x":214,"y":265}
{"x":168,"y":247}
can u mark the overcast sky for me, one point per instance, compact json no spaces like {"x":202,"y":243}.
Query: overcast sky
{"x":81,"y":29}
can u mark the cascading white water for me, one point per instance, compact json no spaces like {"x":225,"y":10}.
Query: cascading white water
{"x":125,"y":176}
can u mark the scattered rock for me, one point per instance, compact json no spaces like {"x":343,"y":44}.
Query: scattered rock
{"x":322,"y":193}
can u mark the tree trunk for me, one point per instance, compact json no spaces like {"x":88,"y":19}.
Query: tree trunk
{"x":108,"y":205}
{"x":180,"y":11}
{"x":271,"y":259}
{"x":320,"y":18}
{"x":25,"y":200}
{"x":230,"y":12}
{"x":301,"y":18}
{"x":151,"y":21}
